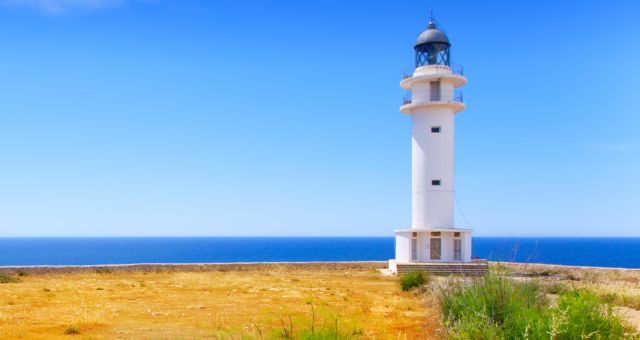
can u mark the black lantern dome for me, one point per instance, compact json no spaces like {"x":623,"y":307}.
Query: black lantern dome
{"x":432,"y":47}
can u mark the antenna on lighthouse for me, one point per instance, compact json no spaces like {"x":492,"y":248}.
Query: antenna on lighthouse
{"x":432,"y":19}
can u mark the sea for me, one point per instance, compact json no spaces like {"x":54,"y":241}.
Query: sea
{"x":601,"y":252}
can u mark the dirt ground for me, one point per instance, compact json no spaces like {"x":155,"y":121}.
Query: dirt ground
{"x":253,"y":301}
{"x":257,"y":303}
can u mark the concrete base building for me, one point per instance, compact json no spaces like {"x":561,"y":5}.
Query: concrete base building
{"x":432,"y":106}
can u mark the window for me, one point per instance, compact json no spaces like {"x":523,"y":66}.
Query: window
{"x":414,"y":234}
{"x":435,"y":129}
{"x":414,"y":249}
{"x":435,"y":182}
{"x":457,"y":249}
{"x":456,"y":234}
{"x":435,"y":233}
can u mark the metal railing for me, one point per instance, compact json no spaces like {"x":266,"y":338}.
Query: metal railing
{"x":455,"y":69}
{"x":456,"y":97}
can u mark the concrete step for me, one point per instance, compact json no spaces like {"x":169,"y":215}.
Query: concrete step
{"x":473,"y":269}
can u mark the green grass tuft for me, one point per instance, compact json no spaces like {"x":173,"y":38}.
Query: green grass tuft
{"x":413,"y":280}
{"x":496,"y":307}
{"x":72,"y":330}
{"x":4,"y":278}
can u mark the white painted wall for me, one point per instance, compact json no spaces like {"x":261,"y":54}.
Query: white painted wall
{"x":403,"y":247}
{"x":466,"y":247}
{"x":432,"y":159}
{"x":432,"y":155}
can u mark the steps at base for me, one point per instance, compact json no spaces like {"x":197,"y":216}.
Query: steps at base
{"x":479,"y":269}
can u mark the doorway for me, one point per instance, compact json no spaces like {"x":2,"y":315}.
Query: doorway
{"x":436,"y":249}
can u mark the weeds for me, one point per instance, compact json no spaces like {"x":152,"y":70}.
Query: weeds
{"x":4,"y":278}
{"x":414,"y":280}
{"x":72,"y":330}
{"x":556,"y":288}
{"x":315,"y":328}
{"x":625,"y":300}
{"x":495,"y":307}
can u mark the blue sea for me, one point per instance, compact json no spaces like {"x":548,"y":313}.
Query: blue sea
{"x":604,"y":252}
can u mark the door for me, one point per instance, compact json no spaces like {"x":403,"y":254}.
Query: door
{"x":457,"y":249}
{"x":434,"y":90}
{"x":436,"y":248}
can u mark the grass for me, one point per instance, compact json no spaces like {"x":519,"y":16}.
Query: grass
{"x":275,"y":302}
{"x":413,"y":280}
{"x":496,"y":307}
{"x":72,"y":330}
{"x":104,"y":270}
{"x":249,"y":304}
{"x":4,"y":278}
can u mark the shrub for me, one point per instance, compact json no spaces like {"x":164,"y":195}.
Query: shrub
{"x":491,"y":307}
{"x":413,"y":280}
{"x":4,"y":278}
{"x":72,"y":330}
{"x":499,"y":308}
{"x":585,"y":316}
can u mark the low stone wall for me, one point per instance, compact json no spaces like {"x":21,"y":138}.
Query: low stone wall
{"x":194,"y":267}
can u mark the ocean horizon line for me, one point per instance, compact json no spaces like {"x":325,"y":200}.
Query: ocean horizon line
{"x":307,"y":236}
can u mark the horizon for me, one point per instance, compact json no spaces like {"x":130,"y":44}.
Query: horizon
{"x":161,"y":118}
{"x":312,"y":236}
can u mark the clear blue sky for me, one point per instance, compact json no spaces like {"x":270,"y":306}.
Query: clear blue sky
{"x":174,"y":117}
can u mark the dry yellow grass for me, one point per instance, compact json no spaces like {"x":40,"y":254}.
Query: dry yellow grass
{"x":212,"y":304}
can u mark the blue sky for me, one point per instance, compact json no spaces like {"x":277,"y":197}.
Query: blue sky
{"x":172,"y":117}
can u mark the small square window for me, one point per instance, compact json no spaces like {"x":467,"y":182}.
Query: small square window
{"x":435,"y":182}
{"x":456,"y":234}
{"x":414,"y":234}
{"x":435,"y":129}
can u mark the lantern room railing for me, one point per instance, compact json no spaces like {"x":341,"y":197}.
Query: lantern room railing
{"x":455,"y":69}
{"x":455,"y":97}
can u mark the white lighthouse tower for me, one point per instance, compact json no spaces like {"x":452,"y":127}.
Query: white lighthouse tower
{"x":432,"y":107}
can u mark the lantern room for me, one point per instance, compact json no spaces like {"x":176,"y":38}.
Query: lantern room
{"x":432,"y":47}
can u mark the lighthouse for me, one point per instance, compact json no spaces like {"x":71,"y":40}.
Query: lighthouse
{"x":432,"y":105}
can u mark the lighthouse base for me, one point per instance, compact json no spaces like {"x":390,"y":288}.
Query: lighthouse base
{"x":433,"y":245}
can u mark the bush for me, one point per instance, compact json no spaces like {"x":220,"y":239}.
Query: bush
{"x":499,"y":308}
{"x":72,"y":330}
{"x":413,"y":280}
{"x":4,"y":278}
{"x":584,"y":315}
